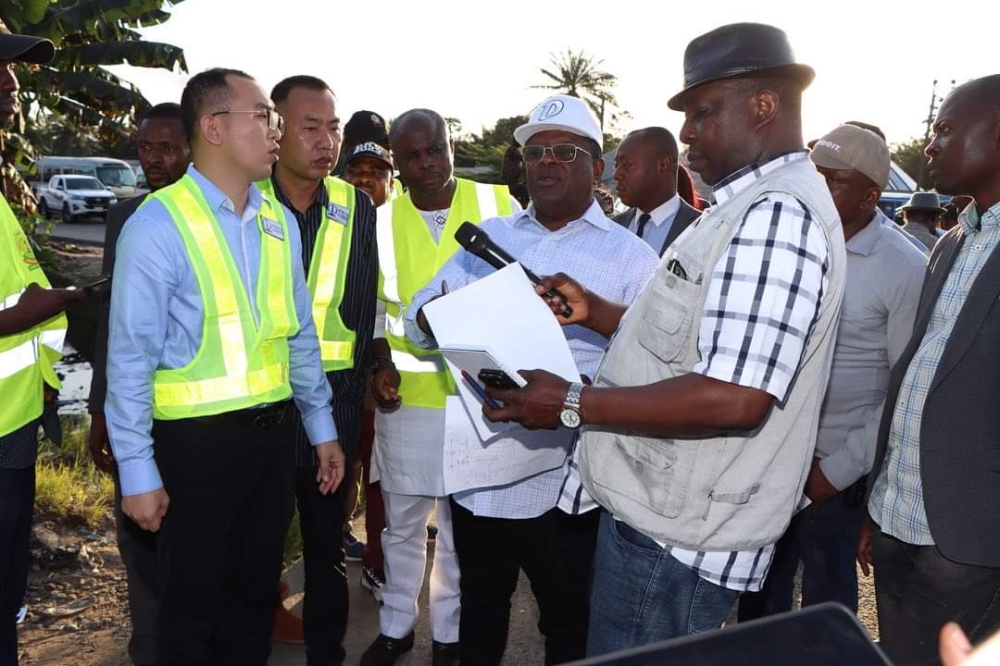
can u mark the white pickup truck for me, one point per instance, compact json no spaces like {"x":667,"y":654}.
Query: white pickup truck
{"x":74,"y":197}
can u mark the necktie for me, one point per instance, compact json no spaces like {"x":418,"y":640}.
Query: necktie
{"x":643,"y":219}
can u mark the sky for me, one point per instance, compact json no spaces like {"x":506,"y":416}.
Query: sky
{"x":875,"y":61}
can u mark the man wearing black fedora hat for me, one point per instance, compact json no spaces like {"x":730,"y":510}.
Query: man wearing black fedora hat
{"x":920,"y":215}
{"x":700,"y":424}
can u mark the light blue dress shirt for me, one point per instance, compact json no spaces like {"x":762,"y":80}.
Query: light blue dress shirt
{"x":601,"y":255}
{"x":156,"y":323}
{"x":661,"y":221}
{"x":897,"y":498}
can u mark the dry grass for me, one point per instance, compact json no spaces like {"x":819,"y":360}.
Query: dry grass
{"x":68,"y":486}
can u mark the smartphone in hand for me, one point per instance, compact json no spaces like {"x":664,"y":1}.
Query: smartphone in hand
{"x":104,"y":279}
{"x":497,"y":379}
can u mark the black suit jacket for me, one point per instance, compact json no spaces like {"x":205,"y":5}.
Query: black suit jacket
{"x":117,"y":215}
{"x":960,"y":428}
{"x":685,"y":216}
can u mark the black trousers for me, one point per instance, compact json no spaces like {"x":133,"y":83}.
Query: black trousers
{"x":17,"y":499}
{"x":231,"y":491}
{"x":556,"y":552}
{"x":918,"y":590}
{"x":321,"y":519}
{"x":325,"y":606}
{"x":138,"y":550}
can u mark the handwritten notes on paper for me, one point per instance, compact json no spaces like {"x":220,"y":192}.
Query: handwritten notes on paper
{"x":500,"y":313}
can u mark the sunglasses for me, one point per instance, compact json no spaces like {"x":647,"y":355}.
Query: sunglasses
{"x":274,"y":119}
{"x":561,"y":152}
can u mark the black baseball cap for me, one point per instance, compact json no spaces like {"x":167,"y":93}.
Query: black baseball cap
{"x":366,"y":126}
{"x":26,"y":48}
{"x":369,"y":149}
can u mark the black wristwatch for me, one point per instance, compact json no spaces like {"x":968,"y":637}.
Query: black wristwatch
{"x":383,"y":363}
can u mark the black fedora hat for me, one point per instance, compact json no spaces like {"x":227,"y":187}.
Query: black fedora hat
{"x":739,"y":50}
{"x":26,"y":48}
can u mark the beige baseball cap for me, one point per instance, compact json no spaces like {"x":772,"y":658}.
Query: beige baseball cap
{"x":850,"y":147}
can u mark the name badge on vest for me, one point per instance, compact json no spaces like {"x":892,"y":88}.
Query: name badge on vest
{"x":337,"y":213}
{"x":273,"y":228}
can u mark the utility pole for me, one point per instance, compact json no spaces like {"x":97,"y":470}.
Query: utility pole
{"x":929,"y":124}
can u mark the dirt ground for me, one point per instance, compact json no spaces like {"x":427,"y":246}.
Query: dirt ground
{"x":77,"y":597}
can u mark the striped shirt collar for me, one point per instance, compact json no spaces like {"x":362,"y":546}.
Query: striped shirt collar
{"x":972,"y":222}
{"x":733,"y":184}
{"x":321,"y":198}
{"x":593,"y":215}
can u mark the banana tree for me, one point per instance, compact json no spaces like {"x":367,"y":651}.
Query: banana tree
{"x":75,"y":87}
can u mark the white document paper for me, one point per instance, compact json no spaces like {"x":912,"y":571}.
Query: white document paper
{"x":500,"y":314}
{"x":514,"y":453}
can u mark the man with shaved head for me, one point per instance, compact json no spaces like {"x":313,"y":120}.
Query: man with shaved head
{"x":416,"y":236}
{"x":646,"y":178}
{"x":934,"y":529}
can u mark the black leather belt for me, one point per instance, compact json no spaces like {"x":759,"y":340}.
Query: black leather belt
{"x":264,"y":418}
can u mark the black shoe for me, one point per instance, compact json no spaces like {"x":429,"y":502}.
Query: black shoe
{"x":444,"y":654}
{"x":384,"y":651}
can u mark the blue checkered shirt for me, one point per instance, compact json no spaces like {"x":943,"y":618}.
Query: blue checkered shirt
{"x":605,"y":257}
{"x":897,"y":500}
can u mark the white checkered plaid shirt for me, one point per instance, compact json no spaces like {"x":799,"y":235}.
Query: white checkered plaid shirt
{"x":897,"y":501}
{"x":762,"y":304}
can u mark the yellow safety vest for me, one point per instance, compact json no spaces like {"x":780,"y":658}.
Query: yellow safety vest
{"x":240,"y":363}
{"x":408,"y":259}
{"x":327,"y":277}
{"x":26,"y":358}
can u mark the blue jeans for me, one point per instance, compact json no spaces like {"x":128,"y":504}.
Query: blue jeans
{"x":826,"y":544}
{"x":642,"y":595}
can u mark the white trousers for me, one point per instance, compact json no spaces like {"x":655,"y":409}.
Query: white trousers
{"x":404,"y":545}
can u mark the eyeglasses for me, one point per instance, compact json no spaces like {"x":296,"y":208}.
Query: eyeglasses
{"x":561,"y":152}
{"x":274,"y":119}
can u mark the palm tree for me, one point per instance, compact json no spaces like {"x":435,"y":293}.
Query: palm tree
{"x":578,"y":74}
{"x":74,"y":88}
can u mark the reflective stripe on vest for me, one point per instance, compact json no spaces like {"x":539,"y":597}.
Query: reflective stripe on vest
{"x":408,"y":259}
{"x":327,"y":273}
{"x":239,"y":363}
{"x":16,"y":359}
{"x":26,"y":357}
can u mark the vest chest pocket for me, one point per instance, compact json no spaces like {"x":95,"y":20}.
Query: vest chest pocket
{"x":667,"y":316}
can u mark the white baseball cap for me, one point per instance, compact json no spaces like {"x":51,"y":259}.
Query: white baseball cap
{"x":561,"y":112}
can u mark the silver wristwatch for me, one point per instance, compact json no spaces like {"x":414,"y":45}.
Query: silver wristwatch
{"x":570,"y":414}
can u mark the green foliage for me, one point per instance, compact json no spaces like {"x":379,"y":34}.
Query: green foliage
{"x":67,"y":485}
{"x":910,"y":156}
{"x":74,"y":94}
{"x":578,"y":74}
{"x":91,"y":34}
{"x":472,"y":150}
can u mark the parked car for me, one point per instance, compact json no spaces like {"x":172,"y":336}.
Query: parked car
{"x":116,"y":175}
{"x":74,"y":197}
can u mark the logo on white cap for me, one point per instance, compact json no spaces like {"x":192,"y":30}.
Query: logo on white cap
{"x":550,"y":110}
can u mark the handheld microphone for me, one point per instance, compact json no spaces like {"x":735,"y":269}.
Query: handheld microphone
{"x":479,"y":243}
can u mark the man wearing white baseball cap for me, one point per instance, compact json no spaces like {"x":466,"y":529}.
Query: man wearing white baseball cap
{"x":884,"y":275}
{"x":502,"y":529}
